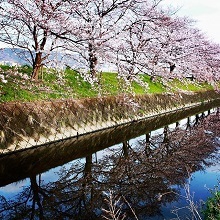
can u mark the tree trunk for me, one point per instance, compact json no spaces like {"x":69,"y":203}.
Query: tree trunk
{"x":36,"y":66}
{"x":172,"y":67}
{"x":92,"y":60}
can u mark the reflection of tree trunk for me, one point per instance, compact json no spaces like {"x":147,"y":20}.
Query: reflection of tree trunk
{"x":165,"y":133}
{"x":147,"y":146}
{"x":188,"y":123}
{"x":36,"y":198}
{"x":147,"y":138}
{"x":88,"y":167}
{"x":125,"y":148}
{"x":177,"y":124}
{"x":88,"y":183}
{"x":166,"y":139}
{"x":197,"y":119}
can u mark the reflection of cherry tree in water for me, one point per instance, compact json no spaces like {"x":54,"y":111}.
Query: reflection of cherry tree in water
{"x":73,"y":196}
{"x":77,"y":194}
{"x":143,"y":175}
{"x":135,"y":177}
{"x":28,"y":204}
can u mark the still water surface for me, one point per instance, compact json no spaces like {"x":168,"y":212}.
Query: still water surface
{"x":144,"y":177}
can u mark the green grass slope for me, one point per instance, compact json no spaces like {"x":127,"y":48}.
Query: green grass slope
{"x":15,"y":84}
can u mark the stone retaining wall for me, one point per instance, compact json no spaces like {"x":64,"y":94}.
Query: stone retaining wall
{"x":24,"y":125}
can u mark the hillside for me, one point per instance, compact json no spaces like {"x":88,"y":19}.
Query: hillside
{"x":15,"y":84}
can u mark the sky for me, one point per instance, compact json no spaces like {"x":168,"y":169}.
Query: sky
{"x":205,"y":12}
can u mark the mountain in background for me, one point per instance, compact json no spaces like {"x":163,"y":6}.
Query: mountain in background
{"x":12,"y":56}
{"x":17,"y":56}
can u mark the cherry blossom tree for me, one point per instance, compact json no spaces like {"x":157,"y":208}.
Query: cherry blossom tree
{"x":21,"y":28}
{"x":131,"y":46}
{"x":163,"y":44}
{"x":134,"y":36}
{"x":189,"y":50}
{"x":91,"y":25}
{"x":186,"y":49}
{"x":146,"y":45}
{"x":208,"y":61}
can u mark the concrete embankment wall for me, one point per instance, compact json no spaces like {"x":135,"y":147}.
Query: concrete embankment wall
{"x":23,"y":125}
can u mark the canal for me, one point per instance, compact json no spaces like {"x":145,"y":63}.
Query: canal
{"x":154,"y":168}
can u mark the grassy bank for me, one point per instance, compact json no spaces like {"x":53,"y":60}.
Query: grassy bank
{"x":70,"y":84}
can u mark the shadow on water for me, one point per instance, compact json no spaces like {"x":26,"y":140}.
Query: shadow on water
{"x":130,"y":180}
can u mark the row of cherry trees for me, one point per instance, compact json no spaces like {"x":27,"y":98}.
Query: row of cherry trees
{"x":133,"y":36}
